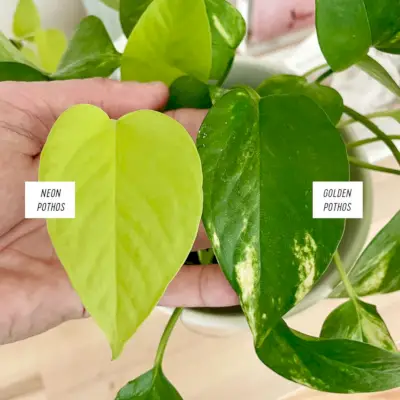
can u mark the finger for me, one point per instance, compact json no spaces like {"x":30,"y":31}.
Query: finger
{"x":200,"y":286}
{"x":201,"y":242}
{"x":191,"y":119}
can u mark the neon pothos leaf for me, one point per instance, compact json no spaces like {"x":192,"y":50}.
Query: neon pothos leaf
{"x":90,"y":52}
{"x":360,"y":321}
{"x":26,"y":19}
{"x":376,"y":71}
{"x":330,"y":365}
{"x":327,"y":98}
{"x":171,"y":39}
{"x":258,"y":198}
{"x":138,"y":206}
{"x":12,"y":71}
{"x":151,"y":385}
{"x":348,"y":28}
{"x":51,"y":45}
{"x":378,"y":268}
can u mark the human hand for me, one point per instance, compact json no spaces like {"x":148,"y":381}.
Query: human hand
{"x":35,"y":293}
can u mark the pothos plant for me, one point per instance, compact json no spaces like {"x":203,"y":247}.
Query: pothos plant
{"x":142,"y":186}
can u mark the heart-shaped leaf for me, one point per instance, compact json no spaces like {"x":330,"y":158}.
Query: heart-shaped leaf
{"x":360,"y":321}
{"x":171,"y":39}
{"x":376,"y":71}
{"x":130,"y":13}
{"x":151,"y":385}
{"x":329,"y":365}
{"x":327,"y":98}
{"x":378,"y":268}
{"x":51,"y":45}
{"x":228,"y":29}
{"x":348,"y":28}
{"x":26,"y":19}
{"x":90,"y":53}
{"x":138,"y":206}
{"x":12,"y":71}
{"x":188,"y":92}
{"x":260,"y":158}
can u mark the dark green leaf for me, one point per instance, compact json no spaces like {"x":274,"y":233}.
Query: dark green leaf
{"x":114,"y":4}
{"x":228,"y":29}
{"x":378,"y":268}
{"x":327,"y":98}
{"x":188,"y":92}
{"x":330,"y":365}
{"x":260,"y":158}
{"x":216,"y":92}
{"x":153,"y":385}
{"x":376,"y":71}
{"x":130,"y":12}
{"x":13,"y":71}
{"x":90,"y":53}
{"x":360,"y":321}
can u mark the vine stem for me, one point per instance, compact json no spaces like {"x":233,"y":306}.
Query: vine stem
{"x":374,"y":129}
{"x":324,"y":75}
{"x":343,"y":276}
{"x":377,"y":114}
{"x":370,"y":140}
{"x":165,"y":337}
{"x":355,"y":161}
{"x":315,"y":69}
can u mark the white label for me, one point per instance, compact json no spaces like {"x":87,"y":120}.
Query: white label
{"x":49,"y":199}
{"x":338,"y":200}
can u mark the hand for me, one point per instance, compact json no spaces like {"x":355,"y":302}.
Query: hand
{"x":35,"y":293}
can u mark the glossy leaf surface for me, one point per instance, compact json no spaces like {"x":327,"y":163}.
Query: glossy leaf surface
{"x":378,"y":268}
{"x":327,"y":98}
{"x":330,"y":365}
{"x":12,"y":71}
{"x":360,"y":321}
{"x":51,"y":45}
{"x":90,"y":52}
{"x":26,"y":19}
{"x":171,"y":39}
{"x":130,"y":13}
{"x":153,"y":385}
{"x":258,"y":198}
{"x":138,"y":207}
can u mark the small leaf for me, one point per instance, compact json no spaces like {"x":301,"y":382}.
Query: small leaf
{"x":376,"y":71}
{"x":130,"y":13}
{"x":228,"y":29}
{"x":356,"y":320}
{"x":26,"y":19}
{"x":114,"y":4}
{"x":138,"y":207}
{"x":188,"y":92}
{"x":327,"y":98}
{"x":329,"y":365}
{"x":171,"y":39}
{"x":30,"y":55}
{"x":51,"y":45}
{"x":258,"y":198}
{"x":90,"y":53}
{"x":151,"y":385}
{"x":8,"y":52}
{"x":378,"y":268}
{"x":12,"y":71}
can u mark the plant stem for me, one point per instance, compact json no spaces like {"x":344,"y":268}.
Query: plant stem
{"x":370,"y":140}
{"x":323,"y":76}
{"x":343,"y":276}
{"x":374,"y":129}
{"x":355,"y":161}
{"x":205,"y":256}
{"x":165,"y":337}
{"x":377,"y":114}
{"x":315,"y":69}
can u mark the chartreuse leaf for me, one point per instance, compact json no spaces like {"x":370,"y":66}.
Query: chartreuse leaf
{"x":138,"y":205}
{"x":327,"y":98}
{"x":26,"y":19}
{"x":30,"y":55}
{"x":171,"y":39}
{"x":376,"y":71}
{"x":258,"y":198}
{"x":228,"y":29}
{"x":329,"y":365}
{"x":130,"y":13}
{"x":348,"y":28}
{"x":12,"y":71}
{"x":360,"y":321}
{"x":112,"y":3}
{"x":51,"y":45}
{"x":90,"y":53}
{"x":378,"y":268}
{"x":8,"y":52}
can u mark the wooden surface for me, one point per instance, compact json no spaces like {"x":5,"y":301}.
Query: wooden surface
{"x":72,"y":362}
